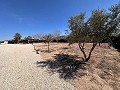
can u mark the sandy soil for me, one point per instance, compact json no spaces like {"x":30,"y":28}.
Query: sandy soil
{"x":18,"y":71}
{"x":102,"y":71}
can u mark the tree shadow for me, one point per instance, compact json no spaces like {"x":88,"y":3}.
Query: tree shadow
{"x":66,"y":65}
{"x":117,"y":47}
{"x":116,"y":43}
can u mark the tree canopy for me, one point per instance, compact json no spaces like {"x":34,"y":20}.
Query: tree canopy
{"x":100,"y":26}
{"x":17,"y":37}
{"x":28,"y":38}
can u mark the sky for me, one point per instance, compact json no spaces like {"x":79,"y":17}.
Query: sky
{"x":29,"y":17}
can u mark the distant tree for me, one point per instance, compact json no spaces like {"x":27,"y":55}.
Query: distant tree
{"x":48,"y":38}
{"x":93,"y":30}
{"x":28,"y":38}
{"x":56,"y":35}
{"x":34,"y":36}
{"x":38,"y":36}
{"x":17,"y":37}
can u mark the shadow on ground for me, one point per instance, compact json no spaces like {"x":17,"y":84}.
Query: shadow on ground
{"x":66,"y":65}
{"x":116,"y":43}
{"x":117,"y":47}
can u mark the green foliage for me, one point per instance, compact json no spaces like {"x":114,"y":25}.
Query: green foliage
{"x":97,"y":26}
{"x":119,"y":35}
{"x":113,"y":25}
{"x":100,"y":26}
{"x":78,"y":33}
{"x":28,"y":38}
{"x":93,"y":30}
{"x":17,"y":37}
{"x":114,"y":19}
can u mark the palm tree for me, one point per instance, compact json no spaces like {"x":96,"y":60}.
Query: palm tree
{"x":28,"y":38}
{"x":17,"y":37}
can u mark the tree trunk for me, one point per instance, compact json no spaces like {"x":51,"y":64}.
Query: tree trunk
{"x":48,"y":47}
{"x":93,"y":47}
{"x":69,"y":45}
{"x":34,"y":47}
{"x":85,"y":59}
{"x":99,"y":43}
{"x":18,"y":42}
{"x":28,"y":41}
{"x":82,"y":49}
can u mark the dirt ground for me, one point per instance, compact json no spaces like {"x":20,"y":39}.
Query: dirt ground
{"x":102,"y":72}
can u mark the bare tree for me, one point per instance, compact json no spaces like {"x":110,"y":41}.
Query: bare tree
{"x":48,"y":38}
{"x":38,"y":36}
{"x":56,"y":35}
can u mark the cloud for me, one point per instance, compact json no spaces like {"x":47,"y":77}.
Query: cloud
{"x":18,"y":17}
{"x":12,"y":15}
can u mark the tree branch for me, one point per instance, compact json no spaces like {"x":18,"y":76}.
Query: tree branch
{"x":93,"y":47}
{"x":82,"y":49}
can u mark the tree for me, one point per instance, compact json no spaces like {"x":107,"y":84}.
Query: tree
{"x":114,"y":26}
{"x":93,"y":30}
{"x":114,"y":19}
{"x":56,"y":35}
{"x":118,"y":36}
{"x":38,"y":36}
{"x":17,"y":37}
{"x":28,"y":38}
{"x":48,"y":38}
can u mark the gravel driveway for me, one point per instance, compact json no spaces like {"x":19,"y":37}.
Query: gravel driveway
{"x":18,"y":71}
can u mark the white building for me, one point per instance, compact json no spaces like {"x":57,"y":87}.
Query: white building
{"x":5,"y":42}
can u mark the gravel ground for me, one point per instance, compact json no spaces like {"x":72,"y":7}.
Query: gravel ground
{"x":18,"y":71}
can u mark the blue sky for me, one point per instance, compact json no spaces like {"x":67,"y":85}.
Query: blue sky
{"x":29,"y":17}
